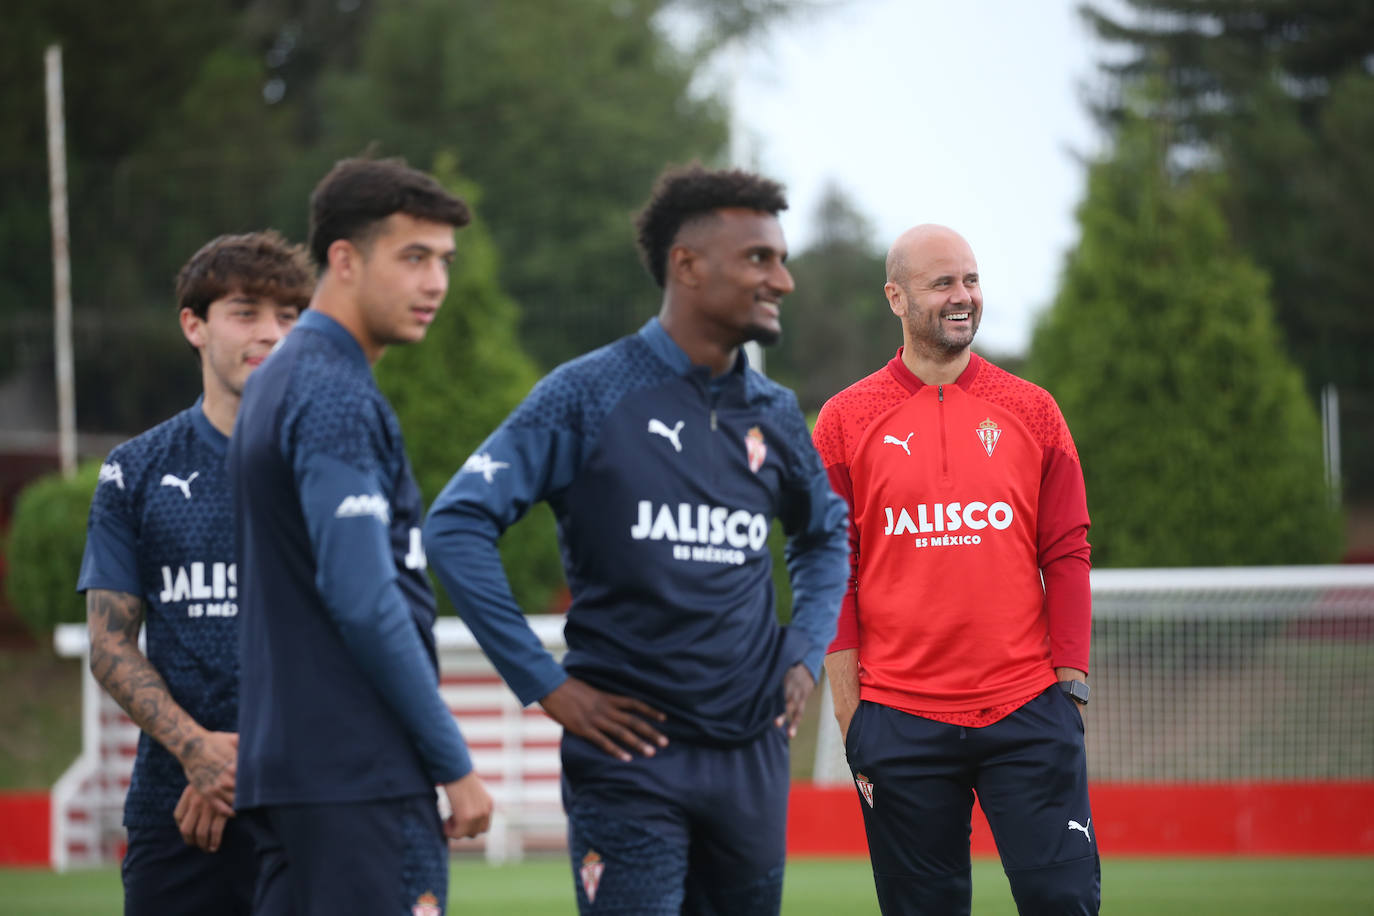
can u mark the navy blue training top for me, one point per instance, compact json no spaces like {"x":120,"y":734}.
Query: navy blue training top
{"x":339,"y":698}
{"x":664,"y":485}
{"x":161,"y":529}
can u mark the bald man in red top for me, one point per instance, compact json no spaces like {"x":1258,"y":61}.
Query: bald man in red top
{"x":960,"y":664}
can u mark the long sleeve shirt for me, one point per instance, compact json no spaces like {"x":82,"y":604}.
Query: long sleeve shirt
{"x":968,"y":543}
{"x":340,"y":698}
{"x":664,"y":484}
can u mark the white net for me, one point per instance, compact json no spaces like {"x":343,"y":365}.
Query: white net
{"x":1221,"y":675}
{"x":1232,"y":675}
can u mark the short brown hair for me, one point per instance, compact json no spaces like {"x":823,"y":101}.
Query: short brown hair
{"x":255,"y":263}
{"x":683,"y":195}
{"x":358,"y":194}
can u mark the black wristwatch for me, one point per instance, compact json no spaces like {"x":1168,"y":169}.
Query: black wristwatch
{"x":1077,"y":690}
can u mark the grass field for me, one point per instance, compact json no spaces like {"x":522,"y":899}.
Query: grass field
{"x":1130,"y":887}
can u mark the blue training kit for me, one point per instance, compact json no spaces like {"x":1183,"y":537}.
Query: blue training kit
{"x":363,"y":857}
{"x":917,"y":778}
{"x":663,"y":524}
{"x":664,"y":484}
{"x":164,"y":875}
{"x":340,"y":700}
{"x":693,"y":829}
{"x":161,"y":529}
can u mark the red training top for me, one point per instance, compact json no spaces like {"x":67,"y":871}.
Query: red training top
{"x":961,"y":498}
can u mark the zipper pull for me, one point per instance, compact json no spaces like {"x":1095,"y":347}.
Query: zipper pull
{"x":940,"y":389}
{"x":713,"y":419}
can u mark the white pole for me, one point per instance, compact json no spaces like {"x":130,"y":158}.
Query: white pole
{"x":1331,"y":440}
{"x":61,"y":263}
{"x":754,"y":353}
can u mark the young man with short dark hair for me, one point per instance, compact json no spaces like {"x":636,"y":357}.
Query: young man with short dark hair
{"x":343,"y":733}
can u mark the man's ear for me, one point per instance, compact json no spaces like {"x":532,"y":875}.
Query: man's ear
{"x":344,"y":259}
{"x":896,"y":298}
{"x":193,"y":327}
{"x":684,"y":266}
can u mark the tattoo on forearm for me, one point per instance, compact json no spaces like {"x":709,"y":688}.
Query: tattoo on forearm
{"x":113,"y":620}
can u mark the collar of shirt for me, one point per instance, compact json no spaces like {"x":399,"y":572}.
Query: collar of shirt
{"x":656,"y":337}
{"x":206,"y":430}
{"x":908,"y":380}
{"x":335,"y":332}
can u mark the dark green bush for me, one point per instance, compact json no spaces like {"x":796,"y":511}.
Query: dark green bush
{"x":43,"y":550}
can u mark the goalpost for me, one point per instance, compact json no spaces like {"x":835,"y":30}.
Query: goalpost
{"x":1241,"y":674}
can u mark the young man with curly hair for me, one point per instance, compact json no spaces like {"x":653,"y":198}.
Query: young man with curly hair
{"x":160,"y":550}
{"x":665,"y":459}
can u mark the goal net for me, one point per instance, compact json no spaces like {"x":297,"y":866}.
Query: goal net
{"x":1221,"y":675}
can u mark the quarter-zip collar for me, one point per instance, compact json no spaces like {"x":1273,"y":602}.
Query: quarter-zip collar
{"x":908,"y":379}
{"x":656,"y":337}
{"x":665,"y":348}
{"x":336,"y":333}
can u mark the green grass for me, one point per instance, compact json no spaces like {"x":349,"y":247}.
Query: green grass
{"x":1130,"y":887}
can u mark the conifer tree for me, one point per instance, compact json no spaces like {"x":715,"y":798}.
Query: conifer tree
{"x":1199,"y":444}
{"x":1278,"y":95}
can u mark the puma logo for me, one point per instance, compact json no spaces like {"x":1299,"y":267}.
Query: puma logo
{"x":169,"y":480}
{"x":658,"y":428}
{"x":482,"y":463}
{"x":1074,"y":825}
{"x":893,"y":440}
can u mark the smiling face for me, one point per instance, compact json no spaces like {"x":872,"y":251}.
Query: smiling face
{"x":237,"y":333}
{"x":736,"y":262}
{"x":400,"y":277}
{"x":935,"y":290}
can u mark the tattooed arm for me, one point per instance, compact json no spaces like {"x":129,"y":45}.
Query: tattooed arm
{"x":113,"y":620}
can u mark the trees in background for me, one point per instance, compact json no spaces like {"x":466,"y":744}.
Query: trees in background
{"x":1199,"y":445}
{"x":452,"y":390}
{"x":170,"y":142}
{"x":189,"y":120}
{"x":837,"y":327}
{"x":564,"y":119}
{"x":1279,"y":96}
{"x":185,"y":121}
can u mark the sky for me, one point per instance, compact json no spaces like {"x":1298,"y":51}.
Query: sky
{"x":969,"y":114}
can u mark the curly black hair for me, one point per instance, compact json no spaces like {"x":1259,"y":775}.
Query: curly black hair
{"x":358,"y":194}
{"x":684,"y":194}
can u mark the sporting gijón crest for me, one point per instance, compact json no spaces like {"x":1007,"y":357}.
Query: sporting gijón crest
{"x":988,"y":433}
{"x":754,"y":445}
{"x":865,"y":787}
{"x":590,"y":872}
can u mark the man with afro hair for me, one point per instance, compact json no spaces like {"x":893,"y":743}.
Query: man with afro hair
{"x":665,"y":459}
